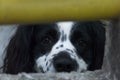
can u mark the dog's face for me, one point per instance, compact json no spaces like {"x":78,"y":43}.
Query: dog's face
{"x":56,"y":47}
{"x":63,"y":47}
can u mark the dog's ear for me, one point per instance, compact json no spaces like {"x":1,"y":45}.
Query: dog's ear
{"x":98,"y":36}
{"x":18,"y":53}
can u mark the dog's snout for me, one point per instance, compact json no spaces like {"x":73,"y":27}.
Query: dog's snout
{"x":64,"y":63}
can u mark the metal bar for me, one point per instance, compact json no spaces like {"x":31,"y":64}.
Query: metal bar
{"x":35,"y":11}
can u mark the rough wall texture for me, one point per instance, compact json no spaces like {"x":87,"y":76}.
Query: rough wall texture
{"x":98,"y":75}
{"x":111,"y":67}
{"x":112,"y":57}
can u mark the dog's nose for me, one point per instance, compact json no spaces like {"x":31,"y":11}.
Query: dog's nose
{"x":64,"y":63}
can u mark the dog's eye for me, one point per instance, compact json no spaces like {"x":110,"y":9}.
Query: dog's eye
{"x":46,"y":40}
{"x":81,"y":43}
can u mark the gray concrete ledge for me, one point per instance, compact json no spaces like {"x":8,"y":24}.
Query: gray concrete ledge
{"x":97,"y":75}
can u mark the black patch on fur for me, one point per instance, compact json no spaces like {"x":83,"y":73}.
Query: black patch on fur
{"x":61,"y":45}
{"x":89,"y":39}
{"x":64,"y":36}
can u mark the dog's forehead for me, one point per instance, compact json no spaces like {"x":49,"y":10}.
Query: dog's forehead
{"x":65,"y":27}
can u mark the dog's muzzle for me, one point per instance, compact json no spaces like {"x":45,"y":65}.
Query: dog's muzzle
{"x":64,"y":63}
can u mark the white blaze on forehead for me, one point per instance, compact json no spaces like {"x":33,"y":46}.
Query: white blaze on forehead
{"x":65,"y":27}
{"x":65,"y":31}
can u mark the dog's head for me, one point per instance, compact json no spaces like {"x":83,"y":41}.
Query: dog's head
{"x":56,"y":47}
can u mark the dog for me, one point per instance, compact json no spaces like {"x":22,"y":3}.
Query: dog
{"x":55,"y":47}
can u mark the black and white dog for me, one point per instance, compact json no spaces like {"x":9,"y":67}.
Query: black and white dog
{"x":56,"y":47}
